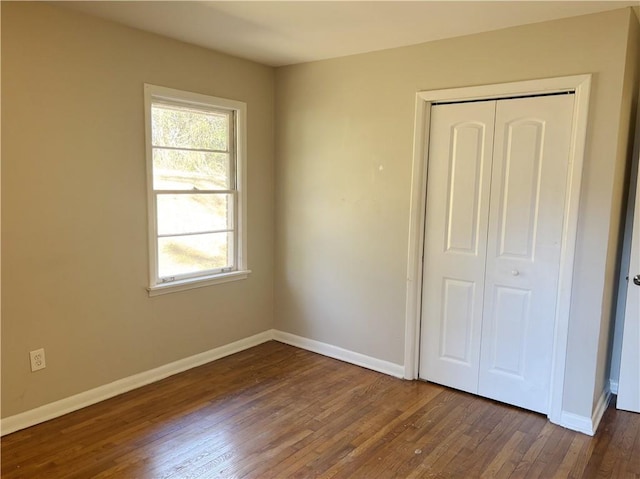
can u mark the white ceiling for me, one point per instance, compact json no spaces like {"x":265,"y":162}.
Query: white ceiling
{"x":285,"y":32}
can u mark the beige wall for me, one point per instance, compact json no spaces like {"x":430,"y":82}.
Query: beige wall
{"x":74,"y":239}
{"x":629,"y":101}
{"x":343,"y":162}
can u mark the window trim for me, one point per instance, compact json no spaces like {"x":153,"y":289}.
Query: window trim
{"x":154,"y":93}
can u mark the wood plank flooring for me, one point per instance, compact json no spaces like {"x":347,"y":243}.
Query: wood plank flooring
{"x":275,"y":411}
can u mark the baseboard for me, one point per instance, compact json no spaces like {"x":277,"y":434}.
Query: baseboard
{"x":87,"y":398}
{"x":613,"y":386}
{"x":584,"y":424}
{"x":336,"y":352}
{"x":73,"y":403}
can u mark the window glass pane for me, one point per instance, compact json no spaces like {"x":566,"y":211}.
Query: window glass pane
{"x":179,"y":255}
{"x":190,"y":170}
{"x":187,"y":213}
{"x":183,"y":127}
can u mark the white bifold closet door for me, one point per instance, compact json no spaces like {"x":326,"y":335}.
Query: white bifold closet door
{"x":496,"y":188}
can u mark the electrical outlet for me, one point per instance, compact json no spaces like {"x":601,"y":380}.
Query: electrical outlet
{"x":37,"y":359}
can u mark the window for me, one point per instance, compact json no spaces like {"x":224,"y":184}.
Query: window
{"x":195,"y":166}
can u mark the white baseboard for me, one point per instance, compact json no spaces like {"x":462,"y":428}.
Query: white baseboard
{"x":584,"y":424}
{"x":336,"y":352}
{"x":73,"y":403}
{"x":87,"y":398}
{"x":613,"y":386}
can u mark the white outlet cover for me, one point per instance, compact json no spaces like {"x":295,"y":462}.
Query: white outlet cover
{"x":37,"y":359}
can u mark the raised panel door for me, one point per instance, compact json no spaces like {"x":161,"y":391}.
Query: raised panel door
{"x":459,"y":173}
{"x":528,"y":186}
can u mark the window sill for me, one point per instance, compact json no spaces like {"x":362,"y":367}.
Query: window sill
{"x":192,"y":283}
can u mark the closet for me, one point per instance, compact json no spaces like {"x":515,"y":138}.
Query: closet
{"x":496,"y":185}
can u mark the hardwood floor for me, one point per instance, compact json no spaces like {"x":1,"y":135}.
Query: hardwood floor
{"x":275,"y":412}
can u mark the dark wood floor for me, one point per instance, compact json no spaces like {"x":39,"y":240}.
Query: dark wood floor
{"x":275,"y":411}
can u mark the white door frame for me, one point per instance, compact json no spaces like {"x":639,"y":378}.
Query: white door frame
{"x":580,"y":85}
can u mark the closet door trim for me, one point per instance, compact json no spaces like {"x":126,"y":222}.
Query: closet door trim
{"x":580,"y":85}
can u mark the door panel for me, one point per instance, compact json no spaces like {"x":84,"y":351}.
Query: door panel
{"x":510,"y":323}
{"x":465,"y":187}
{"x":459,"y":170}
{"x":520,"y":187}
{"x":530,"y":165}
{"x":457,"y":320}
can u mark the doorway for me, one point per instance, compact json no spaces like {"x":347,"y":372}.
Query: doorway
{"x":578,"y":86}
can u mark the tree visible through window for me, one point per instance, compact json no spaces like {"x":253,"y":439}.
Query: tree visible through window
{"x":194,"y":191}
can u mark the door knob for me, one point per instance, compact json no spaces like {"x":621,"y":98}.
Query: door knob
{"x":515,"y":272}
{"x":636,"y":280}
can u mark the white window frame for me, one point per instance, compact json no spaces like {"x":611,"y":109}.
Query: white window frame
{"x":157,"y":285}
